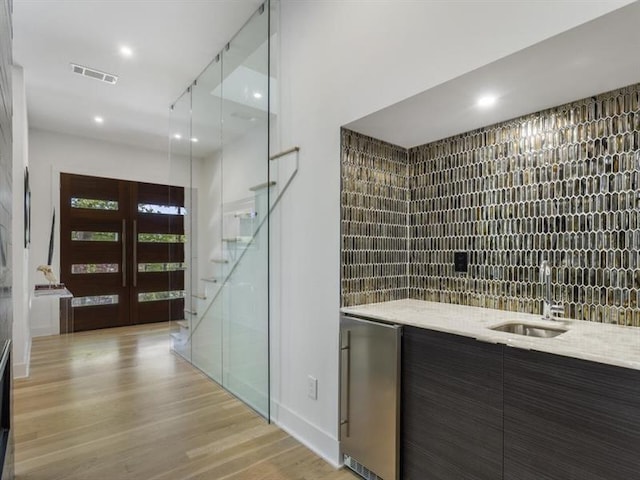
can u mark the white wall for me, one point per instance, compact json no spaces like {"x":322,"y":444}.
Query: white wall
{"x":209,"y":218}
{"x":341,"y":60}
{"x":21,"y":272}
{"x":52,"y":153}
{"x":226,"y":178}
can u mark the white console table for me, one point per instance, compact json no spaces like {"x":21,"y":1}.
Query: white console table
{"x":65,"y":297}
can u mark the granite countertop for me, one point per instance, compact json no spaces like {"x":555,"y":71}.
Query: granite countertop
{"x":603,"y":343}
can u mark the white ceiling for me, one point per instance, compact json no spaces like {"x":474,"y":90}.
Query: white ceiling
{"x":593,"y":58}
{"x":173,"y":40}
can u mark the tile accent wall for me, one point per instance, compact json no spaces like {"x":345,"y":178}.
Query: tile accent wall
{"x":561,"y":185}
{"x":375,"y":201}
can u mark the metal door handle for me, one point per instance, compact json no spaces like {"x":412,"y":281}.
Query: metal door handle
{"x":135,"y":253}
{"x":124,"y":253}
{"x":345,"y":380}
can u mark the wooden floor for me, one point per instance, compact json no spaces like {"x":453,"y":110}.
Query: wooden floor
{"x":116,"y":404}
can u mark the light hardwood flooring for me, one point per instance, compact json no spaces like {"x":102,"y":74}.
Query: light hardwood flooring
{"x":115,"y":404}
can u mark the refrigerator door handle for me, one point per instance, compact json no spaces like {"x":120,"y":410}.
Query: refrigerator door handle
{"x":345,"y":373}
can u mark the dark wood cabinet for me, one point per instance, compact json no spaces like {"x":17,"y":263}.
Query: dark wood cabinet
{"x":451,"y":407}
{"x":478,"y":411}
{"x":569,"y":419}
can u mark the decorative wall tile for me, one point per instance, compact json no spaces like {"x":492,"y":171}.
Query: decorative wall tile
{"x":561,"y":185}
{"x":375,"y":201}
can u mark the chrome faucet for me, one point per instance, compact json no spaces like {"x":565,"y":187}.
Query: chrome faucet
{"x":550,"y":311}
{"x":545,"y":280}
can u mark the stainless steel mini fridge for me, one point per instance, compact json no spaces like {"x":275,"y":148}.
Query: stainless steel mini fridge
{"x":370,"y":397}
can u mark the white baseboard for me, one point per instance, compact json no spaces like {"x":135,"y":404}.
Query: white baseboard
{"x":42,"y":332}
{"x":312,"y":437}
{"x":21,"y":369}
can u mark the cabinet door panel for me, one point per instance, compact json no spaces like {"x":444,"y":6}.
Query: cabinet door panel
{"x":569,"y":419}
{"x":451,"y":407}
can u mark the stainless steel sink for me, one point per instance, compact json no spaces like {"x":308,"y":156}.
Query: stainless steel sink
{"x":530,"y":330}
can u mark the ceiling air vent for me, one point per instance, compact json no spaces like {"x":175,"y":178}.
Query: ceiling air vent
{"x":93,"y":73}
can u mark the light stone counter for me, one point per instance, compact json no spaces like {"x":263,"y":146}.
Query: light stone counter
{"x":603,"y":343}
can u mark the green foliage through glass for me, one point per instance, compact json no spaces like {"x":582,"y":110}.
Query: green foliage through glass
{"x":157,"y":296}
{"x":161,"y":209}
{"x":161,"y":238}
{"x":94,"y":204}
{"x":94,"y":268}
{"x":94,"y":236}
{"x":161,"y":267}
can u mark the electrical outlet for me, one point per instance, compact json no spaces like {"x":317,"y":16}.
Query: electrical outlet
{"x":312,"y":387}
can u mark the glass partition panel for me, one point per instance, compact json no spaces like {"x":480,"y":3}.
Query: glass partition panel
{"x":282,"y":179}
{"x":245,"y":315}
{"x":209,"y":267}
{"x":180,"y":150}
{"x":222,"y":124}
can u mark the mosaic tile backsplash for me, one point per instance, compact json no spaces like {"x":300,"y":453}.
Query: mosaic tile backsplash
{"x":561,"y":185}
{"x":375,"y":202}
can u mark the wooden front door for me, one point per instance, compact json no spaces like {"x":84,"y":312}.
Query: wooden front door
{"x":157,"y":292}
{"x":122,"y":251}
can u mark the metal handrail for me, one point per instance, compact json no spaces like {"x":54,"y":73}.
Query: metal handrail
{"x":251,"y":241}
{"x":284,"y":152}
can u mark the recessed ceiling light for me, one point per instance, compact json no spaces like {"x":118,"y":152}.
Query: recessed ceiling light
{"x":177,"y":136}
{"x":99,"y":120}
{"x":487,"y":101}
{"x":126,"y":52}
{"x":257,"y":95}
{"x":194,"y":140}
